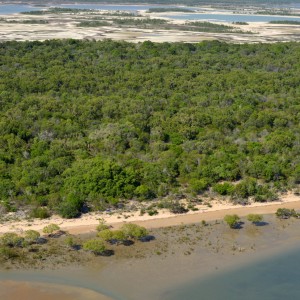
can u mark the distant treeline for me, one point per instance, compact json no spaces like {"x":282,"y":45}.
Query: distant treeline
{"x":177,"y":2}
{"x":84,"y":125}
{"x":288,"y":22}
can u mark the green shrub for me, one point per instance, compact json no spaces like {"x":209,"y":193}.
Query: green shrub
{"x":105,"y":234}
{"x":94,"y":245}
{"x":40,"y":213}
{"x":223,"y":189}
{"x":71,"y":207}
{"x":134,"y":231}
{"x":232,"y":220}
{"x":51,"y":228}
{"x":254,"y":218}
{"x":11,"y":239}
{"x":198,"y":186}
{"x":31,"y":236}
{"x":285,"y":213}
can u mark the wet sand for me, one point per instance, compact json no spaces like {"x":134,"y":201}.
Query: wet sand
{"x":14,"y":290}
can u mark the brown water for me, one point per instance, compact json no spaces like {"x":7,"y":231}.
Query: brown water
{"x":156,"y":276}
{"x":22,"y":290}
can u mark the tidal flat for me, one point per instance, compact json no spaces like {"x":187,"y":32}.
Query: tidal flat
{"x":177,"y":258}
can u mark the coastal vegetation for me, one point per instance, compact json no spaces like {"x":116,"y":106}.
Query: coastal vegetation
{"x":87,"y":125}
{"x":255,"y":218}
{"x":233,"y":221}
{"x":287,"y":22}
{"x":285,"y":213}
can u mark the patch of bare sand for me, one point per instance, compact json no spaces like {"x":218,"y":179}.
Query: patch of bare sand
{"x":14,"y":290}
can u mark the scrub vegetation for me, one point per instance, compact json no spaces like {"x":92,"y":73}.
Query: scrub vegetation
{"x":85,"y":125}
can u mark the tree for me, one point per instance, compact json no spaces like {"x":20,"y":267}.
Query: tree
{"x":285,"y":213}
{"x":31,"y":236}
{"x":94,"y":245}
{"x":51,"y":228}
{"x":232,"y":220}
{"x":134,"y":231}
{"x":254,"y":218}
{"x":12,"y":240}
{"x":105,"y":234}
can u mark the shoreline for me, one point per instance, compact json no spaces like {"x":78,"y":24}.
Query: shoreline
{"x":87,"y":223}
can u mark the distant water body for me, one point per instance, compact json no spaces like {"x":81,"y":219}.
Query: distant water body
{"x":231,"y":17}
{"x":10,"y":9}
{"x":275,"y":278}
{"x":13,"y":9}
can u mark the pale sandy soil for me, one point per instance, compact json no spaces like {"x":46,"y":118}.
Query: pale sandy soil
{"x":88,"y":222}
{"x":14,"y":290}
{"x":62,"y":26}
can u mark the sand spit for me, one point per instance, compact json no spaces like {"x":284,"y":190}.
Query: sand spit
{"x":15,"y":290}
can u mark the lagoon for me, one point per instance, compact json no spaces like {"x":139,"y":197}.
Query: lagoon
{"x":229,"y":17}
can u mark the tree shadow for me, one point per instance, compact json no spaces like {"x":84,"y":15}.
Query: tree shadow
{"x":128,"y":243}
{"x":41,"y":241}
{"x":76,"y":247}
{"x":239,"y":225}
{"x":57,"y":234}
{"x":260,"y":224}
{"x":147,"y":238}
{"x":107,"y":253}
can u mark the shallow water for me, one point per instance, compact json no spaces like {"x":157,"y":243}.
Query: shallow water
{"x":230,"y":17}
{"x":10,"y":9}
{"x":274,"y":278}
{"x":13,"y":9}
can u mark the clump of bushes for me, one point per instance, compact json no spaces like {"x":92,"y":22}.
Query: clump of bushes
{"x":285,"y":213}
{"x":40,"y":213}
{"x":96,"y":246}
{"x":232,"y":220}
{"x":254,"y":218}
{"x":51,"y":228}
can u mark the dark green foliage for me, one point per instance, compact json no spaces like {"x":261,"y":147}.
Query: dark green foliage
{"x":285,"y":213}
{"x":87,"y":124}
{"x":287,"y":22}
{"x":71,"y":207}
{"x":223,"y":189}
{"x":40,"y":212}
{"x":93,"y":24}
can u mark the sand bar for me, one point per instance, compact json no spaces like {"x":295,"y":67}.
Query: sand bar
{"x":16,"y":290}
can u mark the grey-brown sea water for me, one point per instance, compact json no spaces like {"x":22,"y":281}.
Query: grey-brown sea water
{"x":273,"y":278}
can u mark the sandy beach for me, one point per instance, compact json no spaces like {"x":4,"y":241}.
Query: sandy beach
{"x":88,"y":222}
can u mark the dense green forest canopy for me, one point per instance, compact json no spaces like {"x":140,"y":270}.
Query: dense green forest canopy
{"x":91,"y":123}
